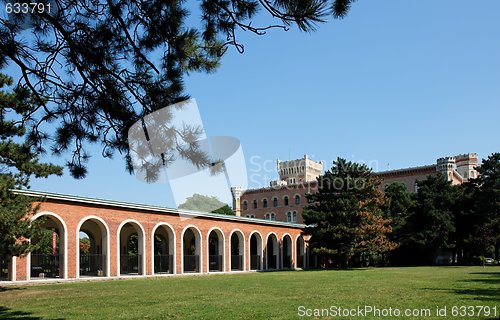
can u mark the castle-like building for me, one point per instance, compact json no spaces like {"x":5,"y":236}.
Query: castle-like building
{"x":457,"y":169}
{"x":285,"y":198}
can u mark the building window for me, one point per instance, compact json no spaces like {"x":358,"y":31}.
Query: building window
{"x":415,"y":187}
{"x":245,"y":205}
{"x":252,"y":216}
{"x":285,"y":200}
{"x":255,"y":204}
{"x":275,"y":202}
{"x":268,"y":216}
{"x":273,"y":217}
{"x":289,"y":216}
{"x":297,"y":199}
{"x":264,"y":203}
{"x":294,"y":217}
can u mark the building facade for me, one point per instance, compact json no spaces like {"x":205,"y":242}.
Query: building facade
{"x":458,"y":169}
{"x":127,"y":239}
{"x":285,"y":198}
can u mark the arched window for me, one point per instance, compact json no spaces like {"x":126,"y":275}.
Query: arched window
{"x":415,"y":187}
{"x":294,"y":217}
{"x":255,"y":204}
{"x":264,"y":203}
{"x":268,"y":216}
{"x":297,"y":199}
{"x":245,"y":205}
{"x":289,"y":216}
{"x":273,"y":217}
{"x":275,"y":202}
{"x":285,"y":200}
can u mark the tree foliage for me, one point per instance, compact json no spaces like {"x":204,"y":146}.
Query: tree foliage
{"x":84,"y":245}
{"x":344,"y":217}
{"x":430,"y":223}
{"x":203,"y":203}
{"x":488,"y":200}
{"x":94,"y":68}
{"x":478,"y":222}
{"x":18,"y":162}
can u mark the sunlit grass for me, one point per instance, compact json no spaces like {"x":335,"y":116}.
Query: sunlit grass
{"x":276,"y":295}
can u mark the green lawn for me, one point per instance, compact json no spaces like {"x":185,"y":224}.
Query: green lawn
{"x":276,"y":295}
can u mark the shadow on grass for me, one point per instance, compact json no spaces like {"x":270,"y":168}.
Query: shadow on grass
{"x":486,"y":273}
{"x":491,"y":295}
{"x":3,"y":289}
{"x":6,"y":313}
{"x":490,"y":278}
{"x":337,"y":269}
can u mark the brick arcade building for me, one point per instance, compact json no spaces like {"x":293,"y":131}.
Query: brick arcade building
{"x":167,"y":241}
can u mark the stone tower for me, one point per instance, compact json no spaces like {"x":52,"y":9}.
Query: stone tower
{"x":466,"y":164}
{"x":300,"y":170}
{"x":237,"y":192}
{"x":446,"y":166}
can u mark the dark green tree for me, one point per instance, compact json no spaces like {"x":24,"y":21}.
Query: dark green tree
{"x":94,"y":68}
{"x":399,"y":203}
{"x":18,"y":162}
{"x":203,"y":203}
{"x":480,"y":219}
{"x":344,"y":218}
{"x":430,"y":225}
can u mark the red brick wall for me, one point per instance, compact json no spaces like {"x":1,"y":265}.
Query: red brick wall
{"x":281,"y":210}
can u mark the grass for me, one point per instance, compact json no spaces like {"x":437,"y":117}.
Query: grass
{"x":274,"y":295}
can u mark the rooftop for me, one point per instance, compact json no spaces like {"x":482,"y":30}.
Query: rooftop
{"x":150,"y":208}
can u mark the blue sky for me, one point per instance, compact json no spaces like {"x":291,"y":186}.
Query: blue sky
{"x":395,"y":84}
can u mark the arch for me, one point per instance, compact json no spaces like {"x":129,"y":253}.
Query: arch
{"x":297,"y":199}
{"x":264,"y":203}
{"x":300,"y":252}
{"x":130,"y":252}
{"x":287,"y":252}
{"x":191,"y":249}
{"x":285,"y":200}
{"x":255,"y":250}
{"x":275,"y":202}
{"x":215,"y":250}
{"x":97,"y":261}
{"x":40,"y":265}
{"x":163,"y":252}
{"x":272,"y":251}
{"x":237,"y":250}
{"x":7,"y":268}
